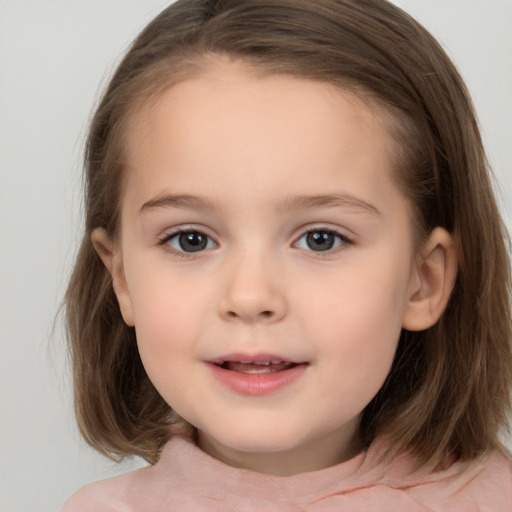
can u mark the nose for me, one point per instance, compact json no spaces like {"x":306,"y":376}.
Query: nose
{"x":253,"y":292}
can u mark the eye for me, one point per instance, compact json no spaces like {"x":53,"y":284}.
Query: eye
{"x":189,"y":241}
{"x":321,"y":240}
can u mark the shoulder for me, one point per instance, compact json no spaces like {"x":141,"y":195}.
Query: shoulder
{"x":143,"y":489}
{"x":105,"y":495}
{"x":494,"y":472}
{"x":484,"y":484}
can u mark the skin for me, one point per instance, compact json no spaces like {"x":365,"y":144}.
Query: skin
{"x":249,"y":146}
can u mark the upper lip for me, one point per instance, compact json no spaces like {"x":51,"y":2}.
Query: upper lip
{"x":253,"y":358}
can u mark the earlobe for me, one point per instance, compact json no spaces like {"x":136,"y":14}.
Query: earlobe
{"x":110,"y":254}
{"x":433,"y":281}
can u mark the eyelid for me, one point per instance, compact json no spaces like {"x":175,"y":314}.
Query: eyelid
{"x":346,"y":240}
{"x":324,"y":226}
{"x":169,"y":235}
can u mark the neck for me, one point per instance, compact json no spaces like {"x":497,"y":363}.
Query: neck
{"x":325,"y":452}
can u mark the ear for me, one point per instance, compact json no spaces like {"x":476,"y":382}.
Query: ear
{"x":433,"y":281}
{"x":110,"y":254}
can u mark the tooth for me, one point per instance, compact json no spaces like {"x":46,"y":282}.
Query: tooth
{"x":262,"y":370}
{"x":266,"y":363}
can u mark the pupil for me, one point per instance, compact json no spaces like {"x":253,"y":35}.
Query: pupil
{"x":192,"y":242}
{"x":320,"y":240}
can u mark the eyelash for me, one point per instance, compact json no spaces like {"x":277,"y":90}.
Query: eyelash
{"x":341,"y":242}
{"x":164,"y":241}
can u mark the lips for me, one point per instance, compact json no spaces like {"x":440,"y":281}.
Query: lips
{"x":258,"y":374}
{"x":257,"y":366}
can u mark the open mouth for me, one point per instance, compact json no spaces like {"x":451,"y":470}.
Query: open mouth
{"x":255,"y":375}
{"x":261,"y":367}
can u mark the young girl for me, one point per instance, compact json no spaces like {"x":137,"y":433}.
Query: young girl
{"x":293,"y":288}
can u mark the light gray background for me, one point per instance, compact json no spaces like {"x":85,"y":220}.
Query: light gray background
{"x":54,"y":55}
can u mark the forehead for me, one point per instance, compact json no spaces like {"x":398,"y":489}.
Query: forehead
{"x":234,"y":80}
{"x":230,"y":116}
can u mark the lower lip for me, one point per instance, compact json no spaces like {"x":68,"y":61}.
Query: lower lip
{"x":257,"y":384}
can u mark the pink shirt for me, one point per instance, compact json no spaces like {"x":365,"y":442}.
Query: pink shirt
{"x":187,"y":479}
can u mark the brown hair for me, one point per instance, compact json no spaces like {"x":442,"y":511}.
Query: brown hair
{"x":448,"y":390}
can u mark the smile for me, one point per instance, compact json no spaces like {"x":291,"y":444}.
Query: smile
{"x":257,"y":366}
{"x":256,"y":375}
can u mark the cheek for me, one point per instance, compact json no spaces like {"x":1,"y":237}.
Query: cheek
{"x":165,"y":318}
{"x":361,"y":297}
{"x":361,"y":341}
{"x":168,"y":329}
{"x":359,"y":315}
{"x":166,"y":341}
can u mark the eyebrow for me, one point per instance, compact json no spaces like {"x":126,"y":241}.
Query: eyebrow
{"x":185,"y":201}
{"x":344,"y":200}
{"x":289,"y":203}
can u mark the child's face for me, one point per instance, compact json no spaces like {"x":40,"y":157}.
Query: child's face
{"x":261,"y":223}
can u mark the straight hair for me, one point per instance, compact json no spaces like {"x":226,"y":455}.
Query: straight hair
{"x":448,"y":391}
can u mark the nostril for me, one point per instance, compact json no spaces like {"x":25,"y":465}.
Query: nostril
{"x":262,"y":314}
